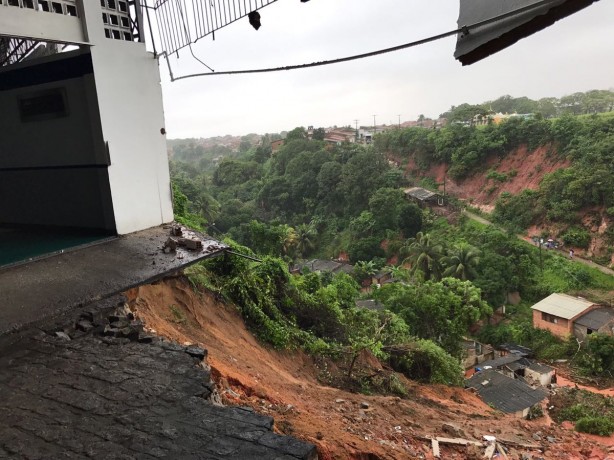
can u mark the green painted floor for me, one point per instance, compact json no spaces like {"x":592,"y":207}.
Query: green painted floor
{"x":20,"y":244}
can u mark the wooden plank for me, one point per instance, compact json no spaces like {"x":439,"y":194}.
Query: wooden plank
{"x":435,"y":446}
{"x":490,"y":450}
{"x":502,"y":451}
{"x":519,"y":444}
{"x":459,"y":441}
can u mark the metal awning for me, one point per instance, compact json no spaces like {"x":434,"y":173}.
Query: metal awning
{"x":520,"y":18}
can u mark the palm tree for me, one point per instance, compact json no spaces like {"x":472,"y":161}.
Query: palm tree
{"x":304,"y":234}
{"x":461,"y":262}
{"x":423,"y":254}
{"x":397,"y":273}
{"x":289,"y":240}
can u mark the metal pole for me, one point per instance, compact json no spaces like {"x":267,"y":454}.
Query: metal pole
{"x":374,"y":126}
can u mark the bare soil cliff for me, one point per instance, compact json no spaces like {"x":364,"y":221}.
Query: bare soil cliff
{"x":343,"y":425}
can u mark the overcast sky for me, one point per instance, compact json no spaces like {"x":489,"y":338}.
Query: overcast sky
{"x":575,"y":54}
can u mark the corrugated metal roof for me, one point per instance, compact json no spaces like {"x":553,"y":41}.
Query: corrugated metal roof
{"x":596,"y":318}
{"x":370,"y":304}
{"x":504,"y":393}
{"x":525,"y":363}
{"x":420,"y":193}
{"x":562,"y":305}
{"x":502,"y":361}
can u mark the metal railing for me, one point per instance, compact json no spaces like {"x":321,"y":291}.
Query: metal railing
{"x":183,"y":22}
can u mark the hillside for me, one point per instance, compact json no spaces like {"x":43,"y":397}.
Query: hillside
{"x":344,"y":425}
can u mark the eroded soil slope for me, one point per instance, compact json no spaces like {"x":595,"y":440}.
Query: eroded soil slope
{"x":524,"y":170}
{"x":343,"y":425}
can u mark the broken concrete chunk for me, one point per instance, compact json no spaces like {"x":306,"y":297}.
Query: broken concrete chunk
{"x":170,"y":245}
{"x":196,"y":352}
{"x":453,"y":430}
{"x":191,"y":243}
{"x":84,"y":325}
{"x":62,"y":335}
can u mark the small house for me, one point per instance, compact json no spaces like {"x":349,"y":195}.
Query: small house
{"x":504,"y":393}
{"x":599,"y":320}
{"x":423,"y":197}
{"x":558,"y":313}
{"x":475,"y":353}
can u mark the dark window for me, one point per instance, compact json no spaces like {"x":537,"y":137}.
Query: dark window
{"x":43,"y":105}
{"x":589,"y":331}
{"x":550,"y":318}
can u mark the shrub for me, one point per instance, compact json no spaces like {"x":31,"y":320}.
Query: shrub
{"x":602,"y":426}
{"x":575,"y":236}
{"x":426,"y":361}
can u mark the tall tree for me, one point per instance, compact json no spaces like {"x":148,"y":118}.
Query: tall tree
{"x":461,"y":262}
{"x":424,"y":255}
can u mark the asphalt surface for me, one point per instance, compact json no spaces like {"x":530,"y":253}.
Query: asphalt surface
{"x":107,"y":398}
{"x":50,"y":287}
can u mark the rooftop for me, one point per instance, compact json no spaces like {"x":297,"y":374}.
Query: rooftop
{"x":504,"y":393}
{"x":370,"y":304}
{"x":420,"y":193}
{"x":596,"y":318}
{"x":563,"y":305}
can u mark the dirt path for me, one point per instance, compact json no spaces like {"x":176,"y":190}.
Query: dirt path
{"x":589,"y":263}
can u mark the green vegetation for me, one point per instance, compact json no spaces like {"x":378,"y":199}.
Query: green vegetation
{"x":313,"y":200}
{"x":592,"y":413}
{"x":318,"y":313}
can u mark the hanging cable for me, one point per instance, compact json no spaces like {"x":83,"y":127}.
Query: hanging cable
{"x":465,"y":30}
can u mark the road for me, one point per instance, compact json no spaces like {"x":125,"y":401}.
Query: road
{"x":589,"y":263}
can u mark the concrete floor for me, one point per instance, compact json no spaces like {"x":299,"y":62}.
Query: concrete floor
{"x":50,"y":287}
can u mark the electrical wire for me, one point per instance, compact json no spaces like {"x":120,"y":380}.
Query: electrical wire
{"x":465,"y":30}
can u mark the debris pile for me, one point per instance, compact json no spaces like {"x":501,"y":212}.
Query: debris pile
{"x":188,"y":239}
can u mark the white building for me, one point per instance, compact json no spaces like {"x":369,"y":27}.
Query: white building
{"x":82,"y":141}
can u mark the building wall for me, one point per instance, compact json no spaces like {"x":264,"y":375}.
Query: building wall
{"x":53,"y":168}
{"x":607,"y":328}
{"x":543,"y":379}
{"x":130,"y":100}
{"x":581,"y":331}
{"x":562,"y":328}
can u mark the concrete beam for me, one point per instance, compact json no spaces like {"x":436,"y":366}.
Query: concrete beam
{"x":40,"y":25}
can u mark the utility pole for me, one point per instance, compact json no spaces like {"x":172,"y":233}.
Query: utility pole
{"x":356,"y":123}
{"x":374,"y":126}
{"x":399,"y":121}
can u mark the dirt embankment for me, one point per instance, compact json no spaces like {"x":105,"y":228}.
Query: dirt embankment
{"x":344,"y":425}
{"x":519,"y":170}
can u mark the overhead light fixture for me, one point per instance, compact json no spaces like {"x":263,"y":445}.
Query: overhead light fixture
{"x":254,"y":19}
